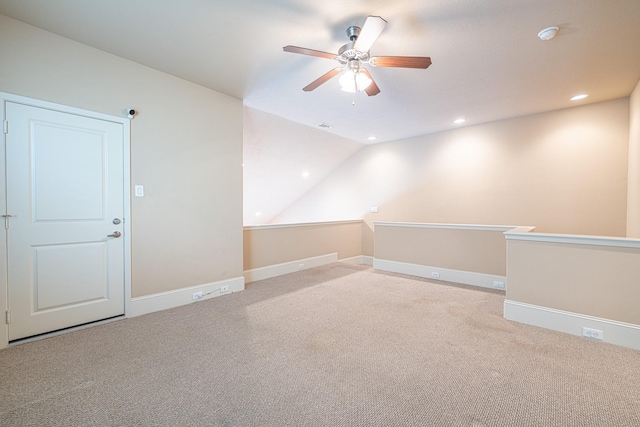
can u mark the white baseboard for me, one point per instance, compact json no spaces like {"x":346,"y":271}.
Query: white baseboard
{"x":359,"y":260}
{"x":613,"y":332}
{"x":170,"y":299}
{"x":270,"y":271}
{"x":457,"y":276}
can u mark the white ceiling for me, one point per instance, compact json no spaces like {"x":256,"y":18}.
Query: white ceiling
{"x":282,"y":161}
{"x":488,"y":63}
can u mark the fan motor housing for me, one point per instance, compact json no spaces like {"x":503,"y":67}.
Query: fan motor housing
{"x":348,"y":53}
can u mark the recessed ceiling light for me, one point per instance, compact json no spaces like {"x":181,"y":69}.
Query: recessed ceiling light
{"x":258,"y":213}
{"x":305,"y":174}
{"x":548,"y":33}
{"x":372,"y":138}
{"x":579,"y":97}
{"x":459,"y":121}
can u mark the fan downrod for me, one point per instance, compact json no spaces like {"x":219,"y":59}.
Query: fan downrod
{"x":353,"y":32}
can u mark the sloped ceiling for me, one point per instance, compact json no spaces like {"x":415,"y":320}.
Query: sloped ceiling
{"x":488,"y":65}
{"x":283,"y":160}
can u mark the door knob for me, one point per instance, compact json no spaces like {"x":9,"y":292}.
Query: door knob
{"x":115,"y":234}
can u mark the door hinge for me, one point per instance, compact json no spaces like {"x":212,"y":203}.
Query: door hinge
{"x":7,"y":317}
{"x":5,"y":126}
{"x":6,"y":221}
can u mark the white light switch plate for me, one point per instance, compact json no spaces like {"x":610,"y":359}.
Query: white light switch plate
{"x":139,"y":190}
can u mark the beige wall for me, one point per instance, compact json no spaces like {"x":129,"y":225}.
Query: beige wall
{"x":186,"y":149}
{"x":598,"y":281}
{"x":633,"y":200}
{"x":472,"y":250}
{"x":266,"y":245}
{"x":563,"y":172}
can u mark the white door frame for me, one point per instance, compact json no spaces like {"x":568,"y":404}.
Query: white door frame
{"x":126,"y":127}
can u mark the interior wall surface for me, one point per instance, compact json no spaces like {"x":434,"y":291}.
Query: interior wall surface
{"x":475,"y":250}
{"x":562,"y":172}
{"x":186,"y":150}
{"x":633,"y":199}
{"x":283,"y":160}
{"x":593,"y":280}
{"x":271,"y":245}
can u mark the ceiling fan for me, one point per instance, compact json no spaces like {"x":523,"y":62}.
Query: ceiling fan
{"x":355,"y":54}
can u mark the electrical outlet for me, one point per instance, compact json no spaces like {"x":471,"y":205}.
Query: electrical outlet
{"x":498,"y":284}
{"x":224,"y":288}
{"x":596,"y":334}
{"x":435,"y":274}
{"x":197,"y":295}
{"x":300,"y":266}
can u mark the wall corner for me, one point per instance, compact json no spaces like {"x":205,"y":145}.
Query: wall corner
{"x":633,"y":177}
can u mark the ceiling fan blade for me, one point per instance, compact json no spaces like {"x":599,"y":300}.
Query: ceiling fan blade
{"x":373,"y":88}
{"x":310,"y":52}
{"x":401,"y":61}
{"x":322,"y":79}
{"x":371,"y":29}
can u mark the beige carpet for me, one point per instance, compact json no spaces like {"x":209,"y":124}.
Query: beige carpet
{"x":339,"y":345}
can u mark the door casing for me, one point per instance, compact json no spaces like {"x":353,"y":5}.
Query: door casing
{"x":4,"y":97}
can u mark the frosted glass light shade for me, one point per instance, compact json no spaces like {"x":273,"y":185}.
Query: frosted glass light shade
{"x":354,"y":80}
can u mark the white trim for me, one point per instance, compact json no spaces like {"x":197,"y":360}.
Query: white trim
{"x":126,"y":125}
{"x":358,"y":260}
{"x":269,"y":271}
{"x":620,"y":242}
{"x":521,"y":229}
{"x":301,"y":224}
{"x":4,"y":303}
{"x":59,"y":107}
{"x":458,"y":276}
{"x":614,"y":332}
{"x":165,"y":300}
{"x":126,"y":223}
{"x":502,"y":228}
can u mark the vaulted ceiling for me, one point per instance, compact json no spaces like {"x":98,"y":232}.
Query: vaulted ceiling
{"x":488,"y":63}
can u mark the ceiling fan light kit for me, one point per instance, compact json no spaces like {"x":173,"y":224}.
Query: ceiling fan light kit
{"x":354,"y":77}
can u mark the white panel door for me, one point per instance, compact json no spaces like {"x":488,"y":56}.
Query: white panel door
{"x":65,"y":195}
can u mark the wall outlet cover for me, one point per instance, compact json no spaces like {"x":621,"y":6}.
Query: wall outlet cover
{"x":595,"y":334}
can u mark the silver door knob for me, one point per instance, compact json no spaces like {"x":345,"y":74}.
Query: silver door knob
{"x":115,"y":234}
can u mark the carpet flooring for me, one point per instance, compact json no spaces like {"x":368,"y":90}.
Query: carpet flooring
{"x":339,"y":345}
